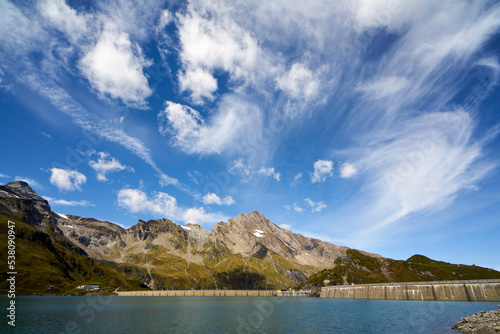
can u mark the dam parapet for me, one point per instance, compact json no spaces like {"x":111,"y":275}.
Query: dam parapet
{"x":476,"y":290}
{"x":212,"y":293}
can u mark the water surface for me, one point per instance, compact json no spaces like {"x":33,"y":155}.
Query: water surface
{"x":235,"y":315}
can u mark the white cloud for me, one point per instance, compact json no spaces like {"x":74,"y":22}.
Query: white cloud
{"x":297,"y":207}
{"x":315,"y":206}
{"x":137,"y":201}
{"x":46,"y":135}
{"x":162,"y":205}
{"x":285,"y":226}
{"x":211,"y":40}
{"x":64,"y":18}
{"x":114,"y":68}
{"x":299,"y":82}
{"x":54,"y":201}
{"x":212,"y":198}
{"x":106,"y":164}
{"x":348,"y":170}
{"x":241,"y":169}
{"x":246,"y":171}
{"x":199,"y":216}
{"x":226,"y":130}
{"x":67,"y":180}
{"x":166,"y":180}
{"x":322,"y":170}
{"x":270,"y":172}
{"x":3,"y":175}
{"x":165,"y":19}
{"x":200,"y":83}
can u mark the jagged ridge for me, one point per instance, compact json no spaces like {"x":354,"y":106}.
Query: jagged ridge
{"x":248,"y":251}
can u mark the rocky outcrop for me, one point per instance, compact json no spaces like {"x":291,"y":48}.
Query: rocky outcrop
{"x":481,"y":322}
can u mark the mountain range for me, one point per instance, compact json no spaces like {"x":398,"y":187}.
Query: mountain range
{"x":58,"y":252}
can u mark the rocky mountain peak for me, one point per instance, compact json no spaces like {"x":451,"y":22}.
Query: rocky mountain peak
{"x":21,"y":189}
{"x":253,"y":221}
{"x":151,"y":228}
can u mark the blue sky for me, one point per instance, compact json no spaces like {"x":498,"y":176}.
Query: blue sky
{"x":370,"y":124}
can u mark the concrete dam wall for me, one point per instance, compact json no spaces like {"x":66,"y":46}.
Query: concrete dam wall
{"x":231,"y":293}
{"x":480,"y":290}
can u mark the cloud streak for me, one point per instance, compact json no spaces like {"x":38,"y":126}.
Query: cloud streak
{"x":422,"y":165}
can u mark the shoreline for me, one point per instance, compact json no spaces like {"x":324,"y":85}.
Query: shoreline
{"x":481,"y":322}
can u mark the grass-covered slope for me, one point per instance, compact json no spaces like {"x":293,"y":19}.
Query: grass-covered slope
{"x":42,"y":263}
{"x":358,"y":268}
{"x":223,"y":271}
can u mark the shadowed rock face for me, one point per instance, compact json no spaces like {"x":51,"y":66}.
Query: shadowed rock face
{"x":236,"y":252}
{"x":18,"y":199}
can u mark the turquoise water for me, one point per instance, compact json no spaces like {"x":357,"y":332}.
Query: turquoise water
{"x":234,"y":315}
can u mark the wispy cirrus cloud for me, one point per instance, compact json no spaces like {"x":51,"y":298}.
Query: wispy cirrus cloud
{"x":63,"y":202}
{"x":415,"y":157}
{"x":416,"y":170}
{"x":246,"y":170}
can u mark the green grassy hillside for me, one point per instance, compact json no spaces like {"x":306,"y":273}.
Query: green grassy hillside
{"x":42,"y":263}
{"x":358,"y":268}
{"x":223,"y":271}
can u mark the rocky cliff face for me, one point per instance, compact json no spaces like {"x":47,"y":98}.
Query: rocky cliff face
{"x":247,"y":251}
{"x":254,"y":235}
{"x":19,"y":200}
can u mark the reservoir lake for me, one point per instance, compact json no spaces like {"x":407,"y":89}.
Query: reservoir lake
{"x":118,"y":314}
